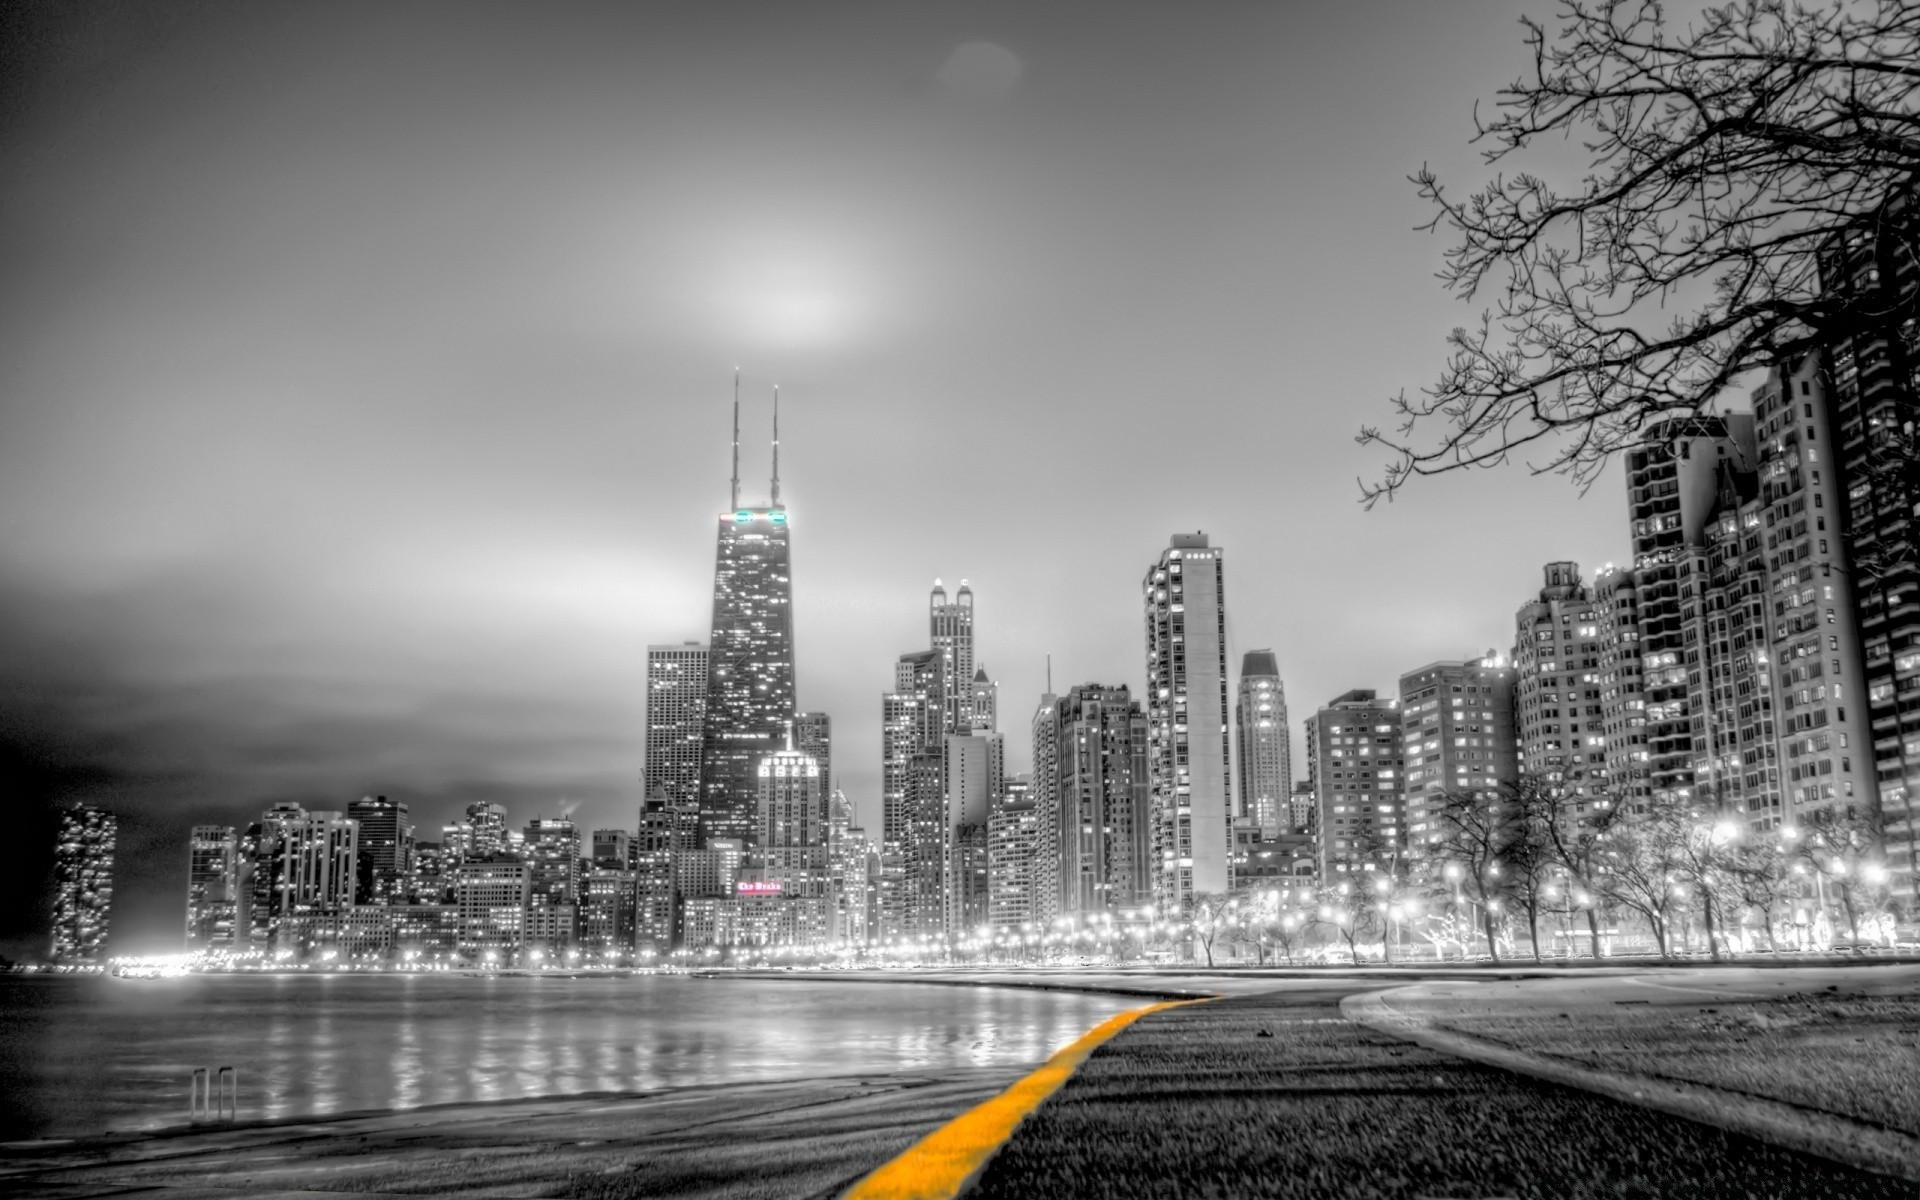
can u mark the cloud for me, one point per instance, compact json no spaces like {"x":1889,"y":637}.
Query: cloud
{"x":980,"y":71}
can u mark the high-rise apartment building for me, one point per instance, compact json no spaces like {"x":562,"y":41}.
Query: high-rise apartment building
{"x":83,"y":883}
{"x":1674,"y":486}
{"x":1049,"y":849}
{"x":1356,"y":760}
{"x":1092,"y":792}
{"x":750,"y":678}
{"x":612,"y":848}
{"x":661,"y":838}
{"x":1559,"y":678}
{"x":913,"y":792}
{"x":676,"y":720}
{"x":791,"y":826}
{"x":849,"y":857}
{"x":972,"y":768}
{"x":1456,"y":720}
{"x":213,"y":887}
{"x":1013,"y":841}
{"x":386,"y":844}
{"x":1186,"y":705}
{"x":1873,"y":413}
{"x":1265,"y":742}
{"x":608,"y":905}
{"x":304,"y":868}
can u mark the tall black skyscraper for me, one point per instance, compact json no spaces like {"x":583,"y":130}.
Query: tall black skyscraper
{"x":750,"y":686}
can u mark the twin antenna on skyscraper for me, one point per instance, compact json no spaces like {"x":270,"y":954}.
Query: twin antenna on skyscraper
{"x":775,"y":499}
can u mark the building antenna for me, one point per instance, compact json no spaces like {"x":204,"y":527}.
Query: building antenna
{"x":776,"y":446}
{"x":736,"y":437}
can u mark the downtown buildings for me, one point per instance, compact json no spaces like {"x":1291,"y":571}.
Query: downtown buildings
{"x":83,"y":883}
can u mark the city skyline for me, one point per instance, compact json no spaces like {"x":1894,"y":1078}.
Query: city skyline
{"x":448,"y":563}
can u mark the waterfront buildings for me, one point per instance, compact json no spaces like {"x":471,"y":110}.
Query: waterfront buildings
{"x":304,"y":868}
{"x":83,"y":883}
{"x":1871,"y":413}
{"x":213,"y":887}
{"x":552,"y":855}
{"x":657,"y":846}
{"x":1013,"y":842}
{"x":1186,"y":706}
{"x":1457,"y":726}
{"x":1092,"y":795}
{"x":1265,"y":742}
{"x":750,"y":677}
{"x":490,"y":895}
{"x":382,"y":863}
{"x":1558,"y":680}
{"x":676,"y":720}
{"x":1355,"y":760}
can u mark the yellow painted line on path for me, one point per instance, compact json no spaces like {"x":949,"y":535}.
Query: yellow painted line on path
{"x":940,"y":1165}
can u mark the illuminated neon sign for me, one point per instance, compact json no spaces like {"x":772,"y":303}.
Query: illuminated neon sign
{"x":757,"y":887}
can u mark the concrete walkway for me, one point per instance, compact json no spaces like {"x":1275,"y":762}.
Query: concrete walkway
{"x":1431,"y":1013}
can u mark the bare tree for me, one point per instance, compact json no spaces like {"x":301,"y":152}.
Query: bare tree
{"x":1569,"y":839}
{"x":1763,"y":883}
{"x":1477,"y":833}
{"x":1636,"y":865}
{"x":1837,"y":844}
{"x":1211,"y":916}
{"x":1705,"y":858}
{"x":1723,"y":158}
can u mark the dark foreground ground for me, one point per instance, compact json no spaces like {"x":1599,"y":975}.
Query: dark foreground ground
{"x":1193,"y":1102}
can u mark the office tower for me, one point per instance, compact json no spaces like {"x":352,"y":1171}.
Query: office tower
{"x":612,"y":848}
{"x":304,"y":869}
{"x":813,"y":737}
{"x":431,"y":879}
{"x":1013,"y":841}
{"x":1049,"y":850}
{"x":912,"y":793}
{"x":657,"y":846}
{"x":1558,"y":678}
{"x":1457,"y":722}
{"x":491,"y":896}
{"x":971,"y":771}
{"x":1355,"y":761}
{"x":213,"y":887}
{"x":83,"y":883}
{"x":608,"y":905}
{"x":676,"y":720}
{"x":483,"y":834}
{"x":1092,"y":788}
{"x":950,"y":626}
{"x":1265,"y":743}
{"x":848,"y":855}
{"x":553,"y":881}
{"x":386,"y":844}
{"x":750,"y":681}
{"x":1187,"y":706}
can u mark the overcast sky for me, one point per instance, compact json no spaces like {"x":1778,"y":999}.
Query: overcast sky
{"x":366,"y":374}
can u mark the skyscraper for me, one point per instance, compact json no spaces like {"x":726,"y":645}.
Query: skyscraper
{"x":304,"y":868}
{"x":1013,"y":838}
{"x":950,"y":630}
{"x":213,"y":887}
{"x":791,"y":830}
{"x":676,"y":720}
{"x":83,"y":883}
{"x":1265,"y":743}
{"x":912,"y":793}
{"x":553,"y":881}
{"x":382,"y":864}
{"x":1186,"y":619}
{"x":750,"y":679}
{"x":1091,"y":793}
{"x":1355,"y":760}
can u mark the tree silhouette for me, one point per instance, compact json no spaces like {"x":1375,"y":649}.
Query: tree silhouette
{"x":1723,"y":158}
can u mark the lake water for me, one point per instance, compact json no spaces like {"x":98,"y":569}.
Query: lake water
{"x":82,"y":1055}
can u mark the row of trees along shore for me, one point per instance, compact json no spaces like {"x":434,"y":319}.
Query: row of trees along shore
{"x":1517,"y":860}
